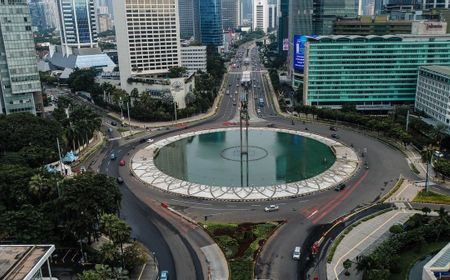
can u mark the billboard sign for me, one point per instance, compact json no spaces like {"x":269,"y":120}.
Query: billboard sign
{"x":299,"y":51}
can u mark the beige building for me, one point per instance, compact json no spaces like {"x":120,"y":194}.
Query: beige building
{"x":148,"y":38}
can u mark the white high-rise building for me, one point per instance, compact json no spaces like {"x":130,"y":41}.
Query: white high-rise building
{"x":148,"y":37}
{"x":260,"y":15}
{"x":194,"y":58}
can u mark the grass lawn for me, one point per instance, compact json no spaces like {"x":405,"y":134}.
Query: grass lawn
{"x":432,"y":197}
{"x":240,"y":243}
{"x":408,"y":258}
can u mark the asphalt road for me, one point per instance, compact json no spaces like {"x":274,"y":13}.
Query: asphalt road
{"x":275,"y":261}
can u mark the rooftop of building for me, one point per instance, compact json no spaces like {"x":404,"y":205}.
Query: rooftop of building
{"x":444,"y":70}
{"x":18,"y":262}
{"x":440,"y":262}
{"x":372,"y":20}
{"x":385,"y":37}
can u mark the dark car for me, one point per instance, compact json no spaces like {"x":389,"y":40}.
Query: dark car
{"x":119,"y":180}
{"x":271,"y":125}
{"x":340,"y":187}
{"x":335,"y":136}
{"x":332,"y":128}
{"x":113,"y":123}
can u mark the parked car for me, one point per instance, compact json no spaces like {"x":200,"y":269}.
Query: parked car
{"x":164,"y":275}
{"x":297,"y":252}
{"x":271,"y":208}
{"x":119,"y":180}
{"x":122,"y":162}
{"x":339,"y":187}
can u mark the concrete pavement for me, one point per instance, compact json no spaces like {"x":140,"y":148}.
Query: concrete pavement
{"x":364,"y":237}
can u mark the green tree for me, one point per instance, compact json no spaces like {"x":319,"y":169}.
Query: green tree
{"x":82,"y":79}
{"x":26,"y":225}
{"x":21,"y":130}
{"x":109,"y":254}
{"x":347,"y":264}
{"x":177,"y":72}
{"x":90,"y":275}
{"x":426,"y":210}
{"x":395,"y":229}
{"x":85,"y":198}
{"x":134,"y":256}
{"x":116,"y":229}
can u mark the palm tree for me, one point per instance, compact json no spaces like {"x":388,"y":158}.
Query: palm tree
{"x":39,"y":186}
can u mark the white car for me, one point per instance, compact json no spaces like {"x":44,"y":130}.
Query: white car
{"x":271,"y":208}
{"x":296,"y":254}
{"x":149,"y":140}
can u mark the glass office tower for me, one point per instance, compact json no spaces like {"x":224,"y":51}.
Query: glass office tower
{"x":78,"y":23}
{"x":20,"y":89}
{"x":372,"y":72}
{"x":211,"y":22}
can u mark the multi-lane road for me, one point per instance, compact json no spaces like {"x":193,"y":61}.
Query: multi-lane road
{"x":177,"y":245}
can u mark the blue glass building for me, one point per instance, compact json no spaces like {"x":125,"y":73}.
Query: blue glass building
{"x":78,"y":23}
{"x":210,"y":22}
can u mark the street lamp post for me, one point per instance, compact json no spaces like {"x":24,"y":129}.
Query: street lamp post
{"x":129,"y":118}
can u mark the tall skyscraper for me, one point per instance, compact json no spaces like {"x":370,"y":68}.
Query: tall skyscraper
{"x":273,"y":15}
{"x":260,"y":15}
{"x":148,"y":40}
{"x":211,"y":32}
{"x":79,"y":48}
{"x":20,"y":84}
{"x":230,"y":14}
{"x":186,"y":12}
{"x":283,"y":22}
{"x":78,"y":24}
{"x":44,"y":14}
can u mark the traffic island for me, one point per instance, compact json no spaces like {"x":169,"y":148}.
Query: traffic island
{"x":432,"y":197}
{"x":241,"y":243}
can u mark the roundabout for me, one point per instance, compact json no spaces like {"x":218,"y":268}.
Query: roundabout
{"x":278,"y":163}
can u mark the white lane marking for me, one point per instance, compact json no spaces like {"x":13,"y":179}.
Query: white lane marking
{"x":312,"y":214}
{"x":108,"y":163}
{"x":255,"y":205}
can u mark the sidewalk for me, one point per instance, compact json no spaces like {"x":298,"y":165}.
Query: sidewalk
{"x":86,"y":152}
{"x":406,"y":192}
{"x":211,"y":112}
{"x":149,"y":270}
{"x":363,"y":238}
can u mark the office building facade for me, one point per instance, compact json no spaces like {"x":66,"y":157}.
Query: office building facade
{"x":210,"y":15}
{"x":231,"y":10}
{"x":148,"y":37}
{"x":19,"y":77}
{"x":44,"y":14}
{"x":433,"y":93}
{"x":272,"y":16}
{"x":260,"y":15}
{"x":283,"y":24}
{"x":187,"y":18}
{"x":372,"y":72}
{"x":78,"y":20}
{"x":368,"y":25}
{"x":194,"y":58}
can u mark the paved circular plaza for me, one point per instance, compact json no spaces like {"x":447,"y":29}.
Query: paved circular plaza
{"x":144,"y":168}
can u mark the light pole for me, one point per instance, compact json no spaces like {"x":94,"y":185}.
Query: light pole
{"x":175,"y":111}
{"x":129,"y":118}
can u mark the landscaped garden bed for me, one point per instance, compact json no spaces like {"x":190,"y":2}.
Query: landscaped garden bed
{"x":432,"y":197}
{"x":240,"y":243}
